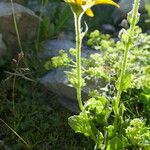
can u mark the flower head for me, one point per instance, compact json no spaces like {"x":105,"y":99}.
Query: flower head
{"x":81,"y":6}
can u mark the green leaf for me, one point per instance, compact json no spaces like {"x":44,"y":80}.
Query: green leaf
{"x":130,"y":17}
{"x":80,"y":124}
{"x":123,"y":34}
{"x":100,"y":139}
{"x":72,"y":51}
{"x":124,"y":141}
{"x":126,"y":82}
{"x":138,"y":134}
{"x":96,"y":104}
{"x":114,"y":144}
{"x":122,"y":109}
{"x":111,"y":131}
{"x":145,"y":99}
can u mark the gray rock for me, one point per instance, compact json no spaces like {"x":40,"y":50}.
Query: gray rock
{"x":34,"y":5}
{"x":27,"y":23}
{"x":125,"y":7}
{"x":14,"y":1}
{"x":57,"y":82}
{"x":52,"y":47}
{"x":107,"y":29}
{"x":50,"y":9}
{"x":148,"y":31}
{"x":2,"y":47}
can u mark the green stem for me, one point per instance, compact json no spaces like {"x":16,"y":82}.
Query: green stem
{"x":78,"y":58}
{"x":13,"y":93}
{"x":16,"y":27}
{"x":29,"y":147}
{"x":39,"y":25}
{"x":124,"y":64}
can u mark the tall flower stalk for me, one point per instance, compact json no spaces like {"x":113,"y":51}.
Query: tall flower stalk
{"x":78,"y":58}
{"x":95,"y":112}
{"x":79,"y":7}
{"x":133,"y":19}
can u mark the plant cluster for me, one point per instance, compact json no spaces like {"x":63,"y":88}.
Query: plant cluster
{"x":104,"y":64}
{"x":116,"y":114}
{"x":123,"y":66}
{"x":138,"y":133}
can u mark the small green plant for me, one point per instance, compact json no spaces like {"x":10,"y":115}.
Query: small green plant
{"x":138,"y":134}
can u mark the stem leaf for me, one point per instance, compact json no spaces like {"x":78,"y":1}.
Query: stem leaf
{"x":126,"y":82}
{"x":80,"y":124}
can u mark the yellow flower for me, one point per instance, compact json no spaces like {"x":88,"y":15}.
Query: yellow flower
{"x":80,"y":6}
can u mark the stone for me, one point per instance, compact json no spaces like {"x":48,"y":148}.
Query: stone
{"x":108,"y":29}
{"x":14,"y":1}
{"x":57,"y":82}
{"x":27,"y":23}
{"x":125,"y":6}
{"x":49,"y":9}
{"x":3,"y":48}
{"x":148,"y":32}
{"x":52,"y":47}
{"x":34,"y":5}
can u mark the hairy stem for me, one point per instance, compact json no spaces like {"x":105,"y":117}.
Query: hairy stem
{"x":125,"y":59}
{"x":78,"y":58}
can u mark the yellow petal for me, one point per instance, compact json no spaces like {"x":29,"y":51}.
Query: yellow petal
{"x":110,"y":2}
{"x":89,"y":12}
{"x":79,"y":2}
